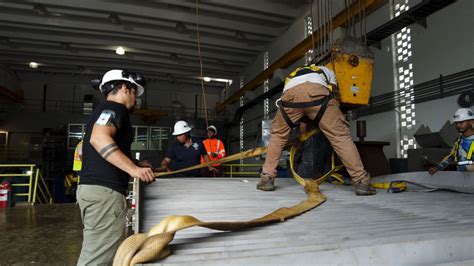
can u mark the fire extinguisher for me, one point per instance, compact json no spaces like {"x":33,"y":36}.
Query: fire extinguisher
{"x":5,"y":194}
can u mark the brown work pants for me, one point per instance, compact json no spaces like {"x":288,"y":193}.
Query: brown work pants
{"x":333,"y":124}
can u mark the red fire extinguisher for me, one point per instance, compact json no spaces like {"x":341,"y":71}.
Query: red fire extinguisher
{"x":5,"y":194}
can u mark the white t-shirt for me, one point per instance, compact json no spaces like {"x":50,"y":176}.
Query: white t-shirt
{"x":313,"y":77}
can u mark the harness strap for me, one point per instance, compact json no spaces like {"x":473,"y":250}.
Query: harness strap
{"x":323,"y":102}
{"x":322,"y":110}
{"x":285,"y":116}
{"x":303,"y":105}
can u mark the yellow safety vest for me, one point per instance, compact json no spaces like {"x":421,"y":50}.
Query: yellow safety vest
{"x":77,"y":164}
{"x":469,"y":152}
{"x":307,"y":70}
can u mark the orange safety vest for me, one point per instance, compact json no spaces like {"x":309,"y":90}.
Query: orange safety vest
{"x":214,"y":146}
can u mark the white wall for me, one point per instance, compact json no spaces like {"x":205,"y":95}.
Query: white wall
{"x":380,"y":127}
{"x":447,"y":45}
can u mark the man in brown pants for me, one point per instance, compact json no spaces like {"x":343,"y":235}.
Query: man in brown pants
{"x":308,"y":92}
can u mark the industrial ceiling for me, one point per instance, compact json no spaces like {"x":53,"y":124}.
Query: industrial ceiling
{"x":159,"y":37}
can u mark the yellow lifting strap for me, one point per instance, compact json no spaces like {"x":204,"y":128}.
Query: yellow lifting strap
{"x":401,"y":186}
{"x":152,"y":246}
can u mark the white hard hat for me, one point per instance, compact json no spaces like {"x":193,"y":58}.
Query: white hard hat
{"x":463,"y":114}
{"x":181,"y":127}
{"x":213,"y":128}
{"x":117,"y":74}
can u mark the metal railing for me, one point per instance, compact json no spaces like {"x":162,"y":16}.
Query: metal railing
{"x":37,"y":105}
{"x":35,"y":182}
{"x":237,"y":169}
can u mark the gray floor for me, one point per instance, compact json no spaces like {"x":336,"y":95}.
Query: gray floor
{"x":41,"y":235}
{"x":387,"y":229}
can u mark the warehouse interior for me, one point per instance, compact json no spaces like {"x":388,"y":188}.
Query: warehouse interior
{"x":224,"y":63}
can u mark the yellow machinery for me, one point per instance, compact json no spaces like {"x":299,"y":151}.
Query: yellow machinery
{"x":352,"y":61}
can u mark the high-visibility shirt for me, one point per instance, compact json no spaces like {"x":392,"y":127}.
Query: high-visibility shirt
{"x":77,"y":164}
{"x":462,"y":151}
{"x":214,"y":146}
{"x":311,"y":73}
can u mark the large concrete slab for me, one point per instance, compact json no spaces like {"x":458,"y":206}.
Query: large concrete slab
{"x":387,"y":229}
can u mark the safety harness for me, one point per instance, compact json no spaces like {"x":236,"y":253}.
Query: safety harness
{"x":323,"y":102}
{"x":469,"y":151}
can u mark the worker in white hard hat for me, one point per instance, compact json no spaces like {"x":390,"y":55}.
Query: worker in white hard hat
{"x":463,"y":149}
{"x":107,"y":166}
{"x":215,"y":150}
{"x":185,"y":152}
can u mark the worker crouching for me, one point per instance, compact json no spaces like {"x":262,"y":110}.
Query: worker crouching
{"x":309,"y":92}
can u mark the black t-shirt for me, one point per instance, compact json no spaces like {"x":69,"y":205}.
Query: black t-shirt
{"x":95,"y":169}
{"x":182,"y":157}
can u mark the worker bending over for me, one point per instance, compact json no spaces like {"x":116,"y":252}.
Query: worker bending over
{"x":215,"y":150}
{"x":461,"y":154}
{"x":309,"y":91}
{"x":107,"y":167}
{"x":184,"y":152}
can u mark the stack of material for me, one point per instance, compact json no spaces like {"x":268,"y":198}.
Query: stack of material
{"x":404,"y":228}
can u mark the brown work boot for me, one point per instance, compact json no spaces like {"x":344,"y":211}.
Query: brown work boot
{"x":267,"y":182}
{"x":363,"y":188}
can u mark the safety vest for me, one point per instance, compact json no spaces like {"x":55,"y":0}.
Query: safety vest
{"x":469,"y":151}
{"x":214,"y":146}
{"x":300,"y":71}
{"x":77,"y":164}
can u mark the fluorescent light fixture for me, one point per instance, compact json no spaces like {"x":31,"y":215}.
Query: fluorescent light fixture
{"x":33,"y":65}
{"x":209,"y":79}
{"x":120,"y":50}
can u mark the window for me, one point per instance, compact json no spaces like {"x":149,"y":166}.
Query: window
{"x":75,"y":133}
{"x":266,"y":103}
{"x":308,"y":32}
{"x":405,"y":89}
{"x":241,"y":125}
{"x":140,"y":138}
{"x":159,"y":138}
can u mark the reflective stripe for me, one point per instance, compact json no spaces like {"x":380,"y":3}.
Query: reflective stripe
{"x":77,"y":164}
{"x":471,"y":150}
{"x":300,"y":71}
{"x":456,"y":150}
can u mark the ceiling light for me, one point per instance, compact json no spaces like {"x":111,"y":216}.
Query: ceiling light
{"x":209,"y":79}
{"x":120,"y":50}
{"x":40,"y":9}
{"x":33,"y":65}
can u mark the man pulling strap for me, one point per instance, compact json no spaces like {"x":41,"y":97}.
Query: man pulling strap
{"x":107,"y":167}
{"x":309,"y":91}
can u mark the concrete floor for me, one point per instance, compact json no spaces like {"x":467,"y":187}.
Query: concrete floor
{"x":42,"y":234}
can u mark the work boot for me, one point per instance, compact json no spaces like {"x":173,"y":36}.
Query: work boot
{"x":267,"y":182}
{"x":363,"y":188}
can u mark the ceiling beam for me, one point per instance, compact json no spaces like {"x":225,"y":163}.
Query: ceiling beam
{"x":298,"y":51}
